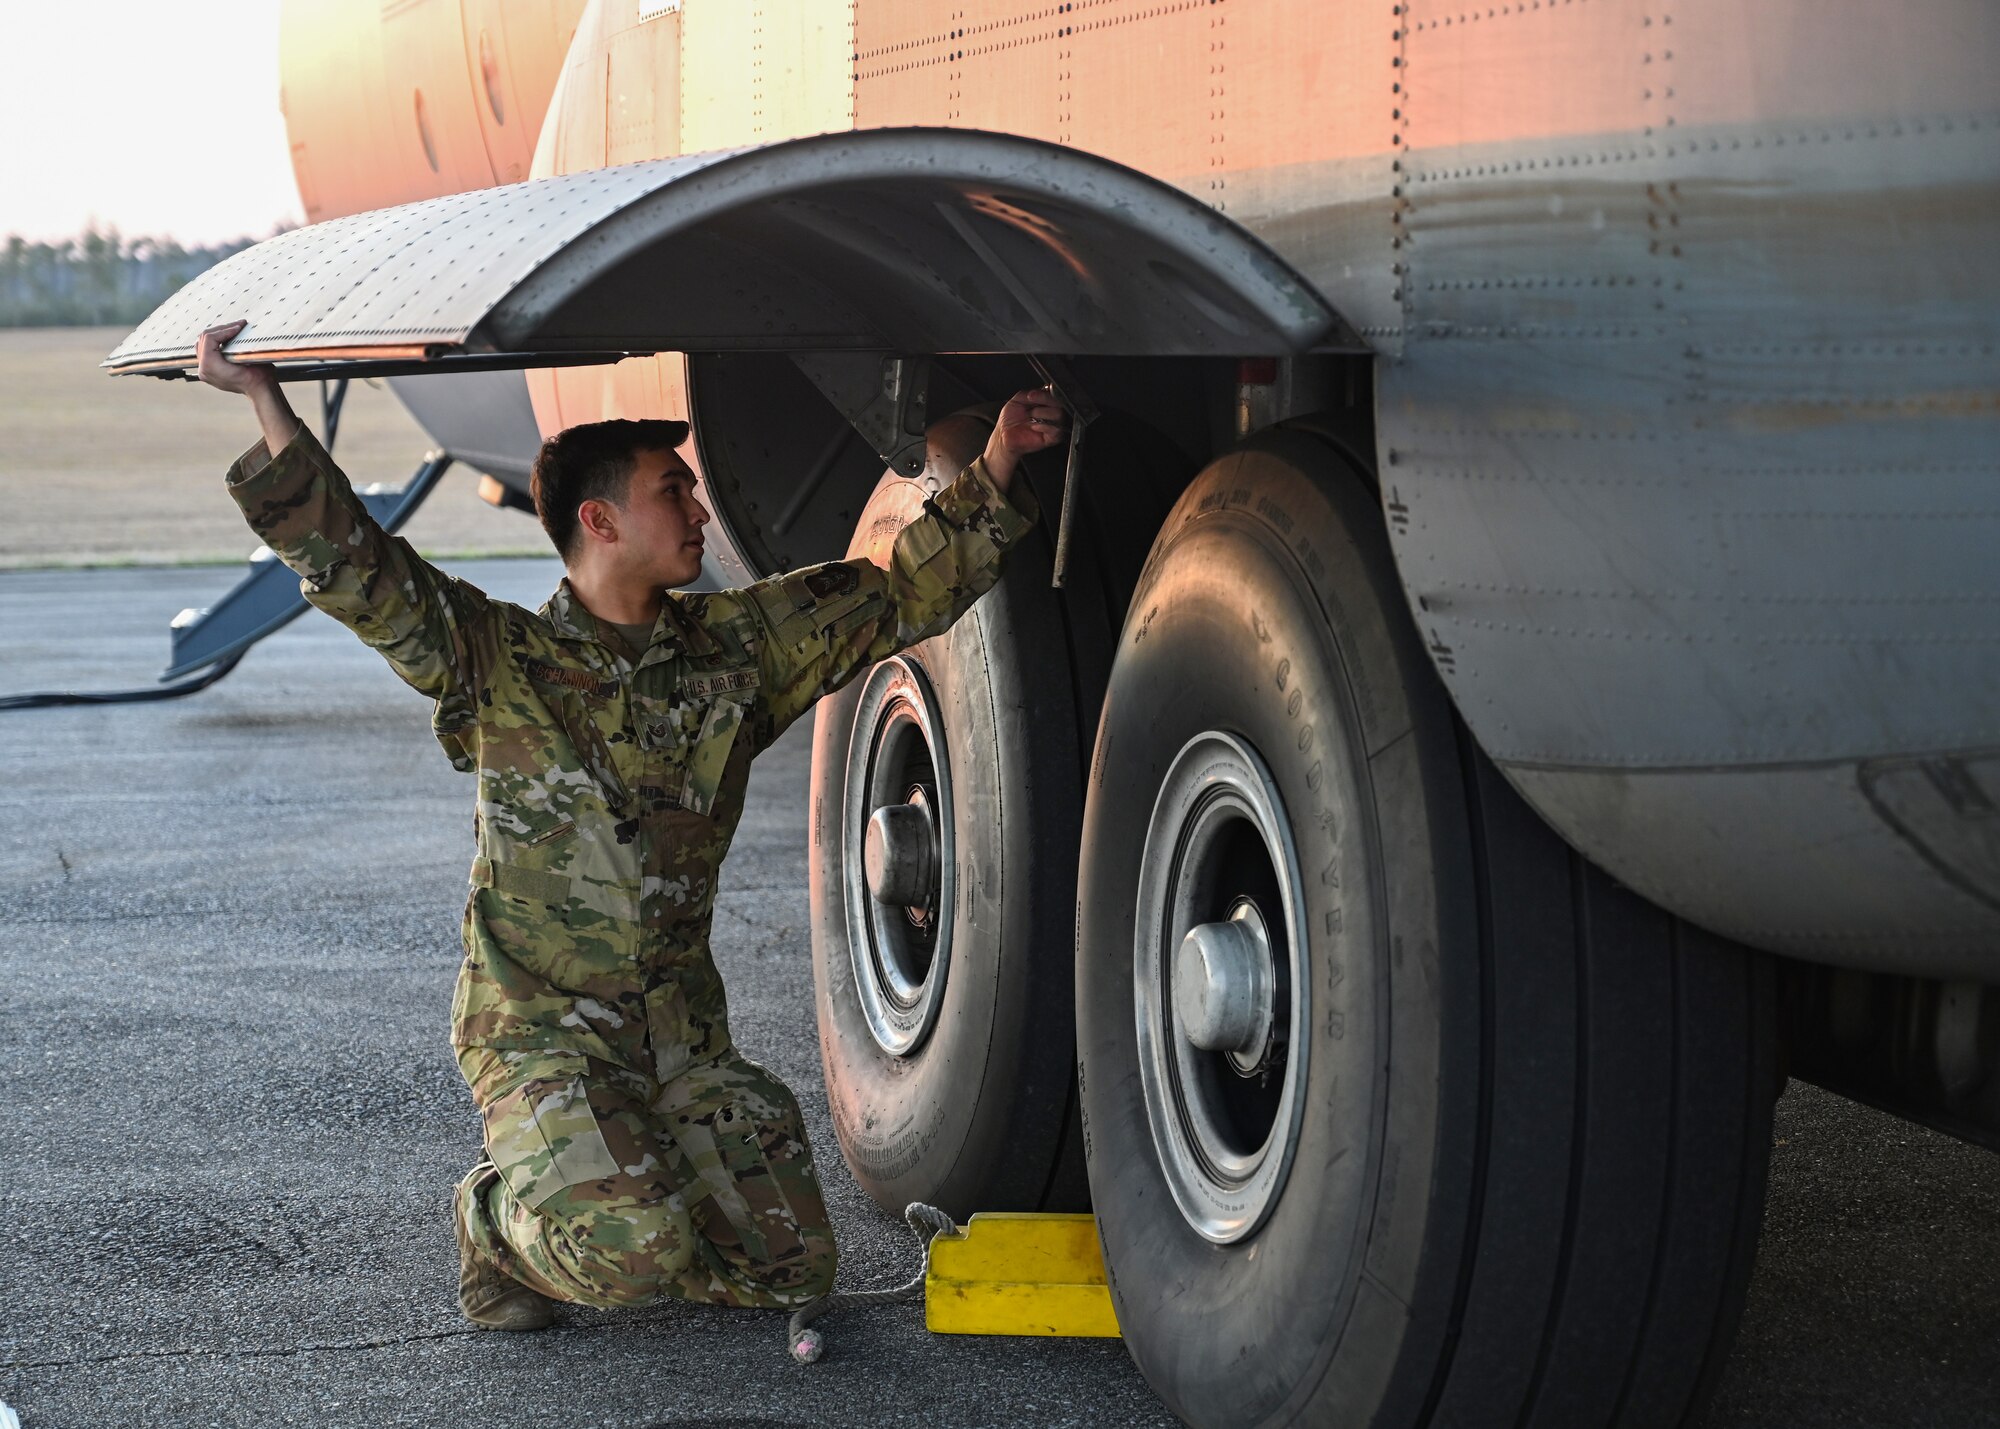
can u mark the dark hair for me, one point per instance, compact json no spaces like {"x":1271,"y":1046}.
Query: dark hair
{"x":592,"y":462}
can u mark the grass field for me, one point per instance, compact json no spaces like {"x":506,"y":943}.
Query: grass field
{"x":128,"y":470}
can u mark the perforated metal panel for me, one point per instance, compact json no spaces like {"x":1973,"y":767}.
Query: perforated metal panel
{"x":397,"y":281}
{"x":912,"y":240}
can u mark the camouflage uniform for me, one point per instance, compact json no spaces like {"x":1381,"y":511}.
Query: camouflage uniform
{"x":635,"y":1152}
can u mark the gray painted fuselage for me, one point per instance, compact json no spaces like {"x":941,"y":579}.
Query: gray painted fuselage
{"x":1690,"y":445}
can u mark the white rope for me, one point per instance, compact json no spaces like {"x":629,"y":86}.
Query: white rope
{"x":927,"y":1223}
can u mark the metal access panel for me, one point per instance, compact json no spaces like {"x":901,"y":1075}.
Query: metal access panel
{"x":898,"y":240}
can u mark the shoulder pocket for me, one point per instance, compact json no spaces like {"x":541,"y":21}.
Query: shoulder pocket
{"x":923,"y":539}
{"x":708,"y":759}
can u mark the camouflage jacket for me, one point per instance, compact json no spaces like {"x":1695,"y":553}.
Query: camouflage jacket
{"x":609,"y":790}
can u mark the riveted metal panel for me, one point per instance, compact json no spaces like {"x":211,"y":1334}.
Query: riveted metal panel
{"x":415,"y":277}
{"x":986,"y":66}
{"x":1801,"y":859}
{"x":762,"y":70}
{"x":1481,"y":74}
{"x":919,"y":241}
{"x":718,"y":83}
{"x":804,"y":70}
{"x":1735,"y":452}
{"x":1279,"y":113}
{"x":642,"y":91}
{"x":1689,"y":453}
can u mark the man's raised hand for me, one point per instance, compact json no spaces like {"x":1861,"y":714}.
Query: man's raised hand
{"x":1031,"y":421}
{"x":220,"y":371}
{"x":254,"y":380}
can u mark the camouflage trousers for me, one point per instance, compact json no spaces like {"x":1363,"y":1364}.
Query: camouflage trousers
{"x":607,"y":1188}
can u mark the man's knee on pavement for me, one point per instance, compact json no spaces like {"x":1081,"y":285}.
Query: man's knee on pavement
{"x":806,"y":1267}
{"x":612,"y":1257}
{"x":591,"y":1217}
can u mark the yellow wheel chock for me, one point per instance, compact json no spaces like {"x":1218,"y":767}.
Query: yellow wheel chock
{"x":1019,"y":1273}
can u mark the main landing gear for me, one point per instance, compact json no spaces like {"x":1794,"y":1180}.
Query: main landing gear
{"x":1397,"y":1113}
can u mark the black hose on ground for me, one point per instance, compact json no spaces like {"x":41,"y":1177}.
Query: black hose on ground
{"x":56,"y":699}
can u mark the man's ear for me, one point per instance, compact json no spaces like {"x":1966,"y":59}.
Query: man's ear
{"x":598,"y":520}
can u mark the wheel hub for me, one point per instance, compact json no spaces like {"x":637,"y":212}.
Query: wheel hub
{"x":1223,"y":987}
{"x":897,"y":855}
{"x":1220,"y":986}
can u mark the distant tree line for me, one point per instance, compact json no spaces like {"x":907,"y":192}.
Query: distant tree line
{"x":98,"y":277}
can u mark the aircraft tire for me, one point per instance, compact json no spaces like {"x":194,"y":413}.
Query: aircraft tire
{"x":957,"y":1091}
{"x":1515,"y":1131}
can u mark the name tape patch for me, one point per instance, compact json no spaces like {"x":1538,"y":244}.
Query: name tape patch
{"x":583,"y":680}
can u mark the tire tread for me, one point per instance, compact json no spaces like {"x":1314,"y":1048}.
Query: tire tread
{"x":1633,"y":1213}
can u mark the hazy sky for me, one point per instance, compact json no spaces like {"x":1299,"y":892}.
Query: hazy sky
{"x":157,"y":117}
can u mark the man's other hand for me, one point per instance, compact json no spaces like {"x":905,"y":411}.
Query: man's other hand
{"x":219,"y":371}
{"x":254,"y":380}
{"x":1031,"y":421}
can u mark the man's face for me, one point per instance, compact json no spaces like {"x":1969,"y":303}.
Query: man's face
{"x":659,"y":523}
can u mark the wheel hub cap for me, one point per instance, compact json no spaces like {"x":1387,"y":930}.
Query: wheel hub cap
{"x":1223,"y":986}
{"x":899,"y":853}
{"x":1221,"y":989}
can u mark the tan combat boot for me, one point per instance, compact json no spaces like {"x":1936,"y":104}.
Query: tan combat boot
{"x":491,"y":1298}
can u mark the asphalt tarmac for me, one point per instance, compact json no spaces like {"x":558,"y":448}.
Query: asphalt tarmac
{"x":229,"y":1116}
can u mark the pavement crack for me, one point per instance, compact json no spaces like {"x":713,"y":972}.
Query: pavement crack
{"x":146,"y":915}
{"x":289,"y":1351}
{"x":63,"y":859}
